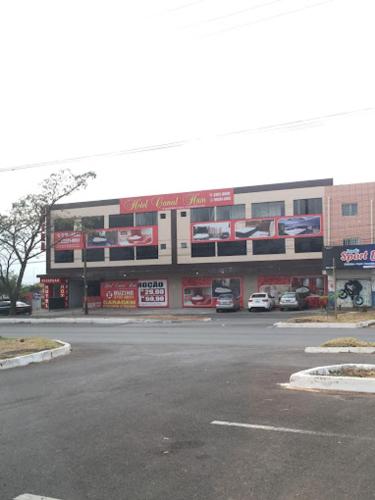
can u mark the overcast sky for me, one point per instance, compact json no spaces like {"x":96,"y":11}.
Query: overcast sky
{"x":89,"y":77}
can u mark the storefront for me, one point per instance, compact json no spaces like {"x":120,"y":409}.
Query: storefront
{"x":312,"y":288}
{"x":55,"y":293}
{"x":355,"y":274}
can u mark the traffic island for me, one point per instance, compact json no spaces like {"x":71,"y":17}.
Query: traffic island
{"x":351,"y":319}
{"x":342,"y":345}
{"x":23,"y":351}
{"x":344,"y":377}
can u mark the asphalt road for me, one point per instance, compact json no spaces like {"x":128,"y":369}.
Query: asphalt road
{"x":128,"y":416}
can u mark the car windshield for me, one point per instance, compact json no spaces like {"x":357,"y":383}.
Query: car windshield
{"x":289,"y":295}
{"x":259,"y":295}
{"x":226,"y":296}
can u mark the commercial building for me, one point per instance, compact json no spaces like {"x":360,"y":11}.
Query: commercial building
{"x":350,"y":243}
{"x":185,"y":249}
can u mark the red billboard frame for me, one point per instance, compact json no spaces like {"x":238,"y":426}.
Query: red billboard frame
{"x":154,"y":237}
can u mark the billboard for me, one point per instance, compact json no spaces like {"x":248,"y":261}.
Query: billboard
{"x":122,"y":237}
{"x":203,"y":292}
{"x":67,"y":240}
{"x":350,"y":257}
{"x":295,"y":226}
{"x":153,"y":293}
{"x":174,"y":201}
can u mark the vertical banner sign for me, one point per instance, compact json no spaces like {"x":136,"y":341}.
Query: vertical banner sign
{"x":119,"y":294}
{"x":153,"y":293}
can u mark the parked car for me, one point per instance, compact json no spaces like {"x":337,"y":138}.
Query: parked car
{"x":259,"y":301}
{"x":228,"y":302}
{"x":21,"y":307}
{"x":292,"y":300}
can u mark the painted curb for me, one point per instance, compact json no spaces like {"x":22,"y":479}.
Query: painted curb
{"x":318,"y":378}
{"x":92,"y":321}
{"x":334,"y":350}
{"x":36,"y":357}
{"x":361,"y":324}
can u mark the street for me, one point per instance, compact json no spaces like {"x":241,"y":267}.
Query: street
{"x":128,"y":415}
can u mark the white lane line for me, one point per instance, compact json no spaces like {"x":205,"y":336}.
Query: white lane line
{"x":287,"y":429}
{"x":27,"y":496}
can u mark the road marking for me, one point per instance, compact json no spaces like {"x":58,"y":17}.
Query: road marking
{"x":27,"y":496}
{"x":287,"y":429}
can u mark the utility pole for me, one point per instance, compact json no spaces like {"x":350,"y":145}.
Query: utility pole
{"x":85,"y":304}
{"x":334,"y":284}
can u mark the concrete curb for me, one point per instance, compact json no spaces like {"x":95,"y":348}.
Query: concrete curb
{"x":319,"y":378}
{"x":361,"y":324}
{"x":334,"y":350}
{"x":92,"y":321}
{"x":36,"y":357}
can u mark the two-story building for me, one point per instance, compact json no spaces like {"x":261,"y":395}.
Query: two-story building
{"x":185,"y":249}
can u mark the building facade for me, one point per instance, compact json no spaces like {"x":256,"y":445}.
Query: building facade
{"x":349,"y":243}
{"x":185,"y":249}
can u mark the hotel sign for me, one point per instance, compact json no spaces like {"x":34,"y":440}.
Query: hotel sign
{"x":162,"y":202}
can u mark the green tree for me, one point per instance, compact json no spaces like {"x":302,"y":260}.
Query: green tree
{"x":21,"y":228}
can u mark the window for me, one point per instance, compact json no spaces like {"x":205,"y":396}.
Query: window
{"x":121,"y":253}
{"x":93,"y":288}
{"x":150,"y":252}
{"x":163,"y":216}
{"x":302,"y":245}
{"x":230,"y":212}
{"x":96,"y":222}
{"x":265,"y":247}
{"x":63,"y":224}
{"x":202,"y":214}
{"x":183,"y":214}
{"x":94,"y":254}
{"x":308,"y":206}
{"x":163,"y":246}
{"x":184,"y":245}
{"x":349,"y":208}
{"x":268,"y":209}
{"x":350,"y":241}
{"x":146,"y":219}
{"x":232,"y":248}
{"x":62,"y":256}
{"x":203,"y":249}
{"x":121,"y":220}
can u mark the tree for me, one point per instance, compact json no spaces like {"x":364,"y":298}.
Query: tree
{"x":21,"y":229}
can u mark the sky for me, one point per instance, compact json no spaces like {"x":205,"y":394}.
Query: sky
{"x":251,"y":92}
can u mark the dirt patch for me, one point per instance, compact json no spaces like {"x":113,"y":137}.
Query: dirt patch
{"x":9,"y":348}
{"x":353,"y":372}
{"x":342,"y":317}
{"x":347,"y":342}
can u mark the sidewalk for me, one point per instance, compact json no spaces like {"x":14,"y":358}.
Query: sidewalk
{"x":104,"y":313}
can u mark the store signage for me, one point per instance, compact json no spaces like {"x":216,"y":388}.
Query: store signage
{"x":51,"y":281}
{"x":67,"y":240}
{"x":162,"y":202}
{"x":297,"y":226}
{"x":354,"y":256}
{"x":203,"y":292}
{"x":153,"y":293}
{"x":119,"y":294}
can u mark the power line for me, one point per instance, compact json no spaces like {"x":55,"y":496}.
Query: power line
{"x":267,"y":128}
{"x":264,"y":19}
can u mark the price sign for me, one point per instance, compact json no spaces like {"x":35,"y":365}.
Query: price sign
{"x":153,"y":293}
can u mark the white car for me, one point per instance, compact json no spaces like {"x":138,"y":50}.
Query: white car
{"x":260,"y":300}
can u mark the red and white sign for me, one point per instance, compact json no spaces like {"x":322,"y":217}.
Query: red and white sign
{"x":162,"y":202}
{"x":153,"y":293}
{"x":67,"y":240}
{"x":119,"y":294}
{"x":122,"y":237}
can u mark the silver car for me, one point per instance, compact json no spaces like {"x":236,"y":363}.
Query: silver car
{"x":291,"y":300}
{"x":228,"y":302}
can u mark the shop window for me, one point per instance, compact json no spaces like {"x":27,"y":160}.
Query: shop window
{"x":121,"y":220}
{"x":149,"y":252}
{"x":231,"y":212}
{"x":349,"y":209}
{"x":96,"y":222}
{"x":232,"y":248}
{"x":203,"y":249}
{"x":94,"y":254}
{"x":121,"y":253}
{"x":202,"y":214}
{"x":93,"y":288}
{"x":308,"y":206}
{"x":62,"y":256}
{"x":266,"y":247}
{"x":268,"y":209}
{"x":350,"y":241}
{"x":146,"y":219}
{"x":63,"y":224}
{"x":163,"y":216}
{"x":303,"y":245}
